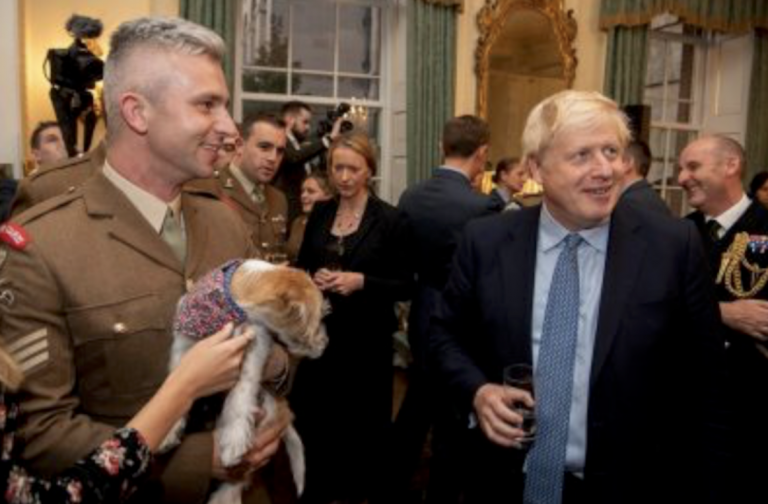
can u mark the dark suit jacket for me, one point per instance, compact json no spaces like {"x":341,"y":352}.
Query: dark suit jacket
{"x":292,"y":171}
{"x":438,"y":209}
{"x":642,"y":194}
{"x":746,"y":365}
{"x":657,"y":351}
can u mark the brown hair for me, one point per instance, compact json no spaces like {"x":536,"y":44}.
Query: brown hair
{"x":503,"y":166}
{"x":322,"y":180}
{"x":463,"y":135}
{"x":357,"y":142}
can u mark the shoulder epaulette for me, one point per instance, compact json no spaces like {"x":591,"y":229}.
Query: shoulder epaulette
{"x":57,"y":167}
{"x":47,"y":206}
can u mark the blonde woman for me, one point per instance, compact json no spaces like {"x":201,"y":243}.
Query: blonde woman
{"x":316,"y":187}
{"x":356,"y":248}
{"x":112,"y":471}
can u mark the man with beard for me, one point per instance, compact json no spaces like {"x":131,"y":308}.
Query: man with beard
{"x":301,"y":152}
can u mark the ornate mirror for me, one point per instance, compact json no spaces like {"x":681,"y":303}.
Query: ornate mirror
{"x":524,"y":53}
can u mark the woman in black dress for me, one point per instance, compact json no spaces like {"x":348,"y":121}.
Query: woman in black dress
{"x":355,"y":249}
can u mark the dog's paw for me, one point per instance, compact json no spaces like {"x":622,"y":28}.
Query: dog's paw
{"x":234,"y":441}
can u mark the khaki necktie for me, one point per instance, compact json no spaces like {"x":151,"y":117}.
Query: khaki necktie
{"x":258,"y":194}
{"x":173,"y":235}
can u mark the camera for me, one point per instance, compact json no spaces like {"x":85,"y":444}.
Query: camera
{"x":326,"y":125}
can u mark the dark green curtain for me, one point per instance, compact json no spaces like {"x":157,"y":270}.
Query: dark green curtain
{"x":757,"y":120}
{"x":430,"y":83}
{"x":219,"y":16}
{"x":731,"y":16}
{"x":625,"y":64}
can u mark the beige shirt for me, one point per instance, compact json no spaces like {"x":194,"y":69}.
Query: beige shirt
{"x":149,"y":206}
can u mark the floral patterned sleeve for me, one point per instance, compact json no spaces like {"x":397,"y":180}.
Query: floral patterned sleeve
{"x":109,"y":474}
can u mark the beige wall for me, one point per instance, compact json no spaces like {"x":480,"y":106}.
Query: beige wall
{"x":590,"y":50}
{"x":43,"y":28}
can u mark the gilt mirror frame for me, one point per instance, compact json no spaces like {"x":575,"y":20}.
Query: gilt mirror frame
{"x":491,"y":21}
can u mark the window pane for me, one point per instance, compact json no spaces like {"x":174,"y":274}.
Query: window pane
{"x":252,"y":107}
{"x":312,"y":85}
{"x":314,"y":34}
{"x":359,"y":39}
{"x":655,"y":68}
{"x":358,"y":88}
{"x":260,"y":81}
{"x":265,"y":34}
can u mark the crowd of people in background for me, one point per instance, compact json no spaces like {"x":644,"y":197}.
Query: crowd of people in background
{"x":646,"y":333}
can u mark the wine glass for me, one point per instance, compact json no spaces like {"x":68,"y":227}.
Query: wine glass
{"x":520,"y":376}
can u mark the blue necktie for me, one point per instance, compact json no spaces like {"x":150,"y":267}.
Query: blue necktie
{"x":554,"y":380}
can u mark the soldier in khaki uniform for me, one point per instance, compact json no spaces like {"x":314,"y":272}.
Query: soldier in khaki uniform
{"x":245,"y":185}
{"x":65,"y":176}
{"x":91,"y":278}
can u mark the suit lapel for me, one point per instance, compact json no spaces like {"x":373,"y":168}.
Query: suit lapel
{"x":626,"y":249}
{"x":371,"y":216}
{"x":518,"y":254}
{"x":125,"y":223}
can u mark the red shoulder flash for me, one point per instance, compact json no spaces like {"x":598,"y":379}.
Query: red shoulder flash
{"x":14,"y":235}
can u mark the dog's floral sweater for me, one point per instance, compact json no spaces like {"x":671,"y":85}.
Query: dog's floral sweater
{"x":109,"y":474}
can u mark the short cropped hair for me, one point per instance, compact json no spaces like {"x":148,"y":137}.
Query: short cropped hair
{"x":727,"y":146}
{"x":37,"y":133}
{"x":247,"y":127}
{"x":463,"y":135}
{"x":294,"y":107}
{"x":640,"y":154}
{"x":571,"y":110}
{"x":152,"y":34}
{"x":357,"y":142}
{"x":503,"y":166}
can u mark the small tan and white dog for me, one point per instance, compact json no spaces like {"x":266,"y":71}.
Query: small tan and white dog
{"x":279,"y":304}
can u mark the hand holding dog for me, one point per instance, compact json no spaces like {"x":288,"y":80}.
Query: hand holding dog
{"x":264,"y":446}
{"x":213,"y":364}
{"x":340,"y":282}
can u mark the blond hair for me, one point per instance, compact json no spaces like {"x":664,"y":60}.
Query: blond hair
{"x":571,"y":110}
{"x":150,"y":34}
{"x":357,"y":142}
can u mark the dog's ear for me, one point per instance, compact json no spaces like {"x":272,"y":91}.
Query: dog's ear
{"x":285,"y":299}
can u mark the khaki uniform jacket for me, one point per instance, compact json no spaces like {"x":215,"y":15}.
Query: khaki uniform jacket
{"x":94,"y":295}
{"x":266,"y":221}
{"x":59,"y":178}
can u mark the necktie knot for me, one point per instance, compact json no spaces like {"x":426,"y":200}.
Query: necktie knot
{"x":713,"y":229}
{"x":258,"y":194}
{"x":572,"y":241}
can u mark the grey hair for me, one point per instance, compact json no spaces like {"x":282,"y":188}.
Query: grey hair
{"x":174,"y":35}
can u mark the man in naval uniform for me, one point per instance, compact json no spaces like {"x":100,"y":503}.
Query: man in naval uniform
{"x":735,"y":234}
{"x":91,"y":278}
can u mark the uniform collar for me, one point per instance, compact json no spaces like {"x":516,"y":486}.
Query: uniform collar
{"x":152,"y":208}
{"x":728,"y":218}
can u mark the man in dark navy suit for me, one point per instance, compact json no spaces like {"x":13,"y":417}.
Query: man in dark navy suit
{"x":735,"y":234}
{"x":613,"y":308}
{"x":637,"y":190}
{"x":438,"y":208}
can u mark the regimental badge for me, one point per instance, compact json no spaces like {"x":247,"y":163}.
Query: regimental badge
{"x":735,"y":260}
{"x":14,"y":235}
